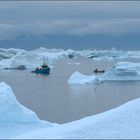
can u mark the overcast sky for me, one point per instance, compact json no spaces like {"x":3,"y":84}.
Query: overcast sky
{"x":69,"y":18}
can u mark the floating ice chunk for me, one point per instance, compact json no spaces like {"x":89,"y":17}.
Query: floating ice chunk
{"x":8,"y":53}
{"x":119,"y":123}
{"x":15,"y":119}
{"x":27,"y":60}
{"x":11,"y":111}
{"x":79,"y":78}
{"x":123,"y":71}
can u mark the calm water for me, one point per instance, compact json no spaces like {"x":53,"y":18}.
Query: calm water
{"x":56,"y":101}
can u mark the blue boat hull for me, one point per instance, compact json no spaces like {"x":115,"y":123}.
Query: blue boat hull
{"x":42,"y":71}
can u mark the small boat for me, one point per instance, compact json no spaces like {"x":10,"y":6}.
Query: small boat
{"x":43,"y":70}
{"x":99,"y":71}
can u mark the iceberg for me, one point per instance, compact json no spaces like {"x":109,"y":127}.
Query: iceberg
{"x":21,"y":59}
{"x":53,"y":54}
{"x":11,"y":111}
{"x":8,"y":53}
{"x":112,"y":54}
{"x":15,"y":58}
{"x":18,"y":122}
{"x":104,"y":54}
{"x":15,"y":119}
{"x":79,"y":78}
{"x":119,"y":123}
{"x":123,"y":71}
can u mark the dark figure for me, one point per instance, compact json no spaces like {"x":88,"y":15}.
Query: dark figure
{"x":97,"y":71}
{"x":44,"y":65}
{"x":37,"y":68}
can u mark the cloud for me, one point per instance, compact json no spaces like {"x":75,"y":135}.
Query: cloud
{"x":75,"y":18}
{"x":78,"y":27}
{"x":25,"y":11}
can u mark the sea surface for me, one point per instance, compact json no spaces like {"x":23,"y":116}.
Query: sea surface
{"x":56,"y":101}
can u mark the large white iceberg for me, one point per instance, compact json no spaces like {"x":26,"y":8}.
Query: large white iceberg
{"x":11,"y":110}
{"x":27,"y":59}
{"x":13,"y":58}
{"x":112,"y":54}
{"x":53,"y":54}
{"x":79,"y":78}
{"x":15,"y":119}
{"x":8,"y":53}
{"x":118,"y":123}
{"x":105,"y":54}
{"x":123,"y":71}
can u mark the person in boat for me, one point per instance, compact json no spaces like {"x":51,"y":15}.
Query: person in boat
{"x":97,"y":71}
{"x":44,"y":65}
{"x":36,"y":69}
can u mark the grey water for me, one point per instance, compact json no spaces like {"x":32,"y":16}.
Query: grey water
{"x":54,"y":100}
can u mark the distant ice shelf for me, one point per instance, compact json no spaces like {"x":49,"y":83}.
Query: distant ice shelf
{"x":13,"y":58}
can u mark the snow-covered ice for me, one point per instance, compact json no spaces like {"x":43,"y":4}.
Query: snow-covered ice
{"x":28,"y":60}
{"x":11,"y":110}
{"x":16,"y":121}
{"x":122,"y":71}
{"x":8,"y":53}
{"x":15,"y":118}
{"x":119,"y":123}
{"x":110,"y":54}
{"x":12,"y":58}
{"x":79,"y":78}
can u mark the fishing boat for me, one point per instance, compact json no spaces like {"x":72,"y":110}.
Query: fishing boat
{"x":44,"y":69}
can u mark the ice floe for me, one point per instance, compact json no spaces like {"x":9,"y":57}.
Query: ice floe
{"x":79,"y":78}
